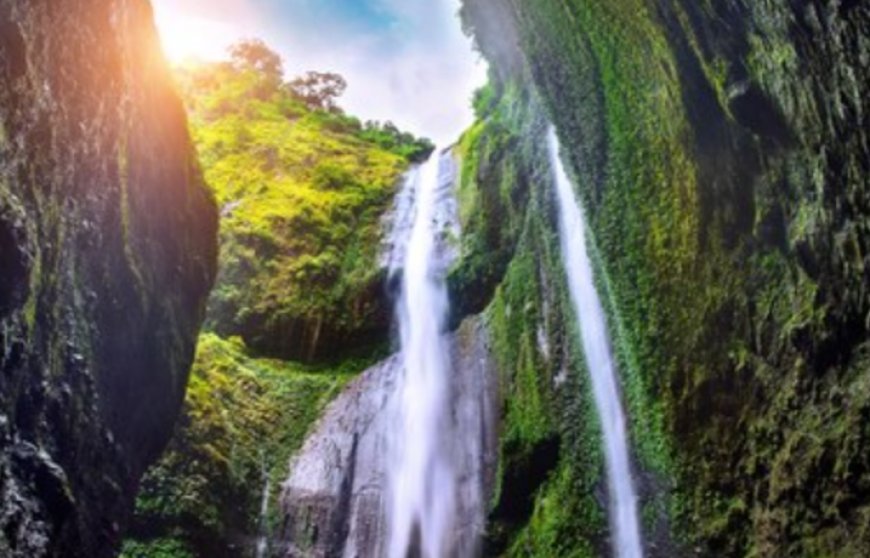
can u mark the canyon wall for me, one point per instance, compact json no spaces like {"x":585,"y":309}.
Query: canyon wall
{"x":721,"y":149}
{"x":107,"y":253}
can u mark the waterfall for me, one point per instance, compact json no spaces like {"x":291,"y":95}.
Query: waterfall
{"x":404,"y":461}
{"x":624,"y":526}
{"x":421,"y":477}
{"x":263,"y":539}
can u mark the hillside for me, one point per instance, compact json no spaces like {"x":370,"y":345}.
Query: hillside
{"x":301,"y":191}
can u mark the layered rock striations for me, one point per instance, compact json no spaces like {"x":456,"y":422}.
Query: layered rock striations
{"x":107,"y":253}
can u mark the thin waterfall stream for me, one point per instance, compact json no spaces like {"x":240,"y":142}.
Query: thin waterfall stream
{"x":626,"y":537}
{"x":263,"y":539}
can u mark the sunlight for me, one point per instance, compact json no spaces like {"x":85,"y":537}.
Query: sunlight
{"x":188,"y":37}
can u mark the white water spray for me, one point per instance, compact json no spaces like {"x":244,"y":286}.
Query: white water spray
{"x":421,"y":476}
{"x":596,"y":347}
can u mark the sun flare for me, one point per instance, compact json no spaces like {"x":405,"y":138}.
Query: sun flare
{"x":188,"y":37}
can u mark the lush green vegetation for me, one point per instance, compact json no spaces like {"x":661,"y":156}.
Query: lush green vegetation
{"x":497,"y":167}
{"x":156,"y":548}
{"x":549,"y":452}
{"x":302,"y":188}
{"x":242,"y":420}
{"x":734,"y":282}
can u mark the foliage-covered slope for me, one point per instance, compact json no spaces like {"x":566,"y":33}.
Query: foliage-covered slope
{"x":242,"y":420}
{"x":722,"y":151}
{"x":546,"y":500}
{"x":302,"y":192}
{"x":303,"y":189}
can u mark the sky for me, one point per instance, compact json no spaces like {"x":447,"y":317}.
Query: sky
{"x":405,"y":60}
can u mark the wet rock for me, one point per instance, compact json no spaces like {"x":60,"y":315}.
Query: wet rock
{"x":334,"y":499}
{"x":15,"y":265}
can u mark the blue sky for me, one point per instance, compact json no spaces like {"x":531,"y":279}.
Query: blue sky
{"x":405,"y":60}
{"x":361,"y":16}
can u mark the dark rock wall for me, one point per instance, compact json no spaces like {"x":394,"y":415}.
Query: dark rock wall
{"x":107,"y":253}
{"x":722,"y":150}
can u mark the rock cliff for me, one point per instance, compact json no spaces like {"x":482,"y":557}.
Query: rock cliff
{"x":107,"y":253}
{"x":335,"y":498}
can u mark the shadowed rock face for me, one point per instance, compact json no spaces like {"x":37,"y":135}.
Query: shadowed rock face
{"x":107,"y":248}
{"x":334,"y":499}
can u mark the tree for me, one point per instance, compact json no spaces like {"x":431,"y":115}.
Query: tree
{"x":319,"y":90}
{"x":253,"y":54}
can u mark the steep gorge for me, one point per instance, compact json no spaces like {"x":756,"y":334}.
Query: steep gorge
{"x":720,"y":150}
{"x":301,"y":303}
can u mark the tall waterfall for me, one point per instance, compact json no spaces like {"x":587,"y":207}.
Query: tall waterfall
{"x":624,"y":526}
{"x":421,"y":477}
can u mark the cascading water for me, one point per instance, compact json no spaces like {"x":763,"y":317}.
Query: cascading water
{"x":386,"y":472}
{"x":590,"y":315}
{"x":421,"y":477}
{"x":263,"y":539}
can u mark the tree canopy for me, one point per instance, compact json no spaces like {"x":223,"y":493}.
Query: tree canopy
{"x":319,"y":90}
{"x":253,"y":54}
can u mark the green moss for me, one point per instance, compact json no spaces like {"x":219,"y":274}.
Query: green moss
{"x":513,"y":319}
{"x":497,"y":166}
{"x":553,"y":528}
{"x":157,"y":548}
{"x":243,"y":418}
{"x":468,"y":193}
{"x":550,"y":459}
{"x":31,"y":305}
{"x":706,"y":142}
{"x":127,"y":232}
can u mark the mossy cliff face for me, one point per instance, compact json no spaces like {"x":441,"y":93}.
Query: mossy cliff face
{"x":722,"y":151}
{"x":107,"y":251}
{"x":302,"y":193}
{"x":546,"y":499}
{"x":242,"y":420}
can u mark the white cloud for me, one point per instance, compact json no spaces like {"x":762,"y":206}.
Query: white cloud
{"x":419,"y":73}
